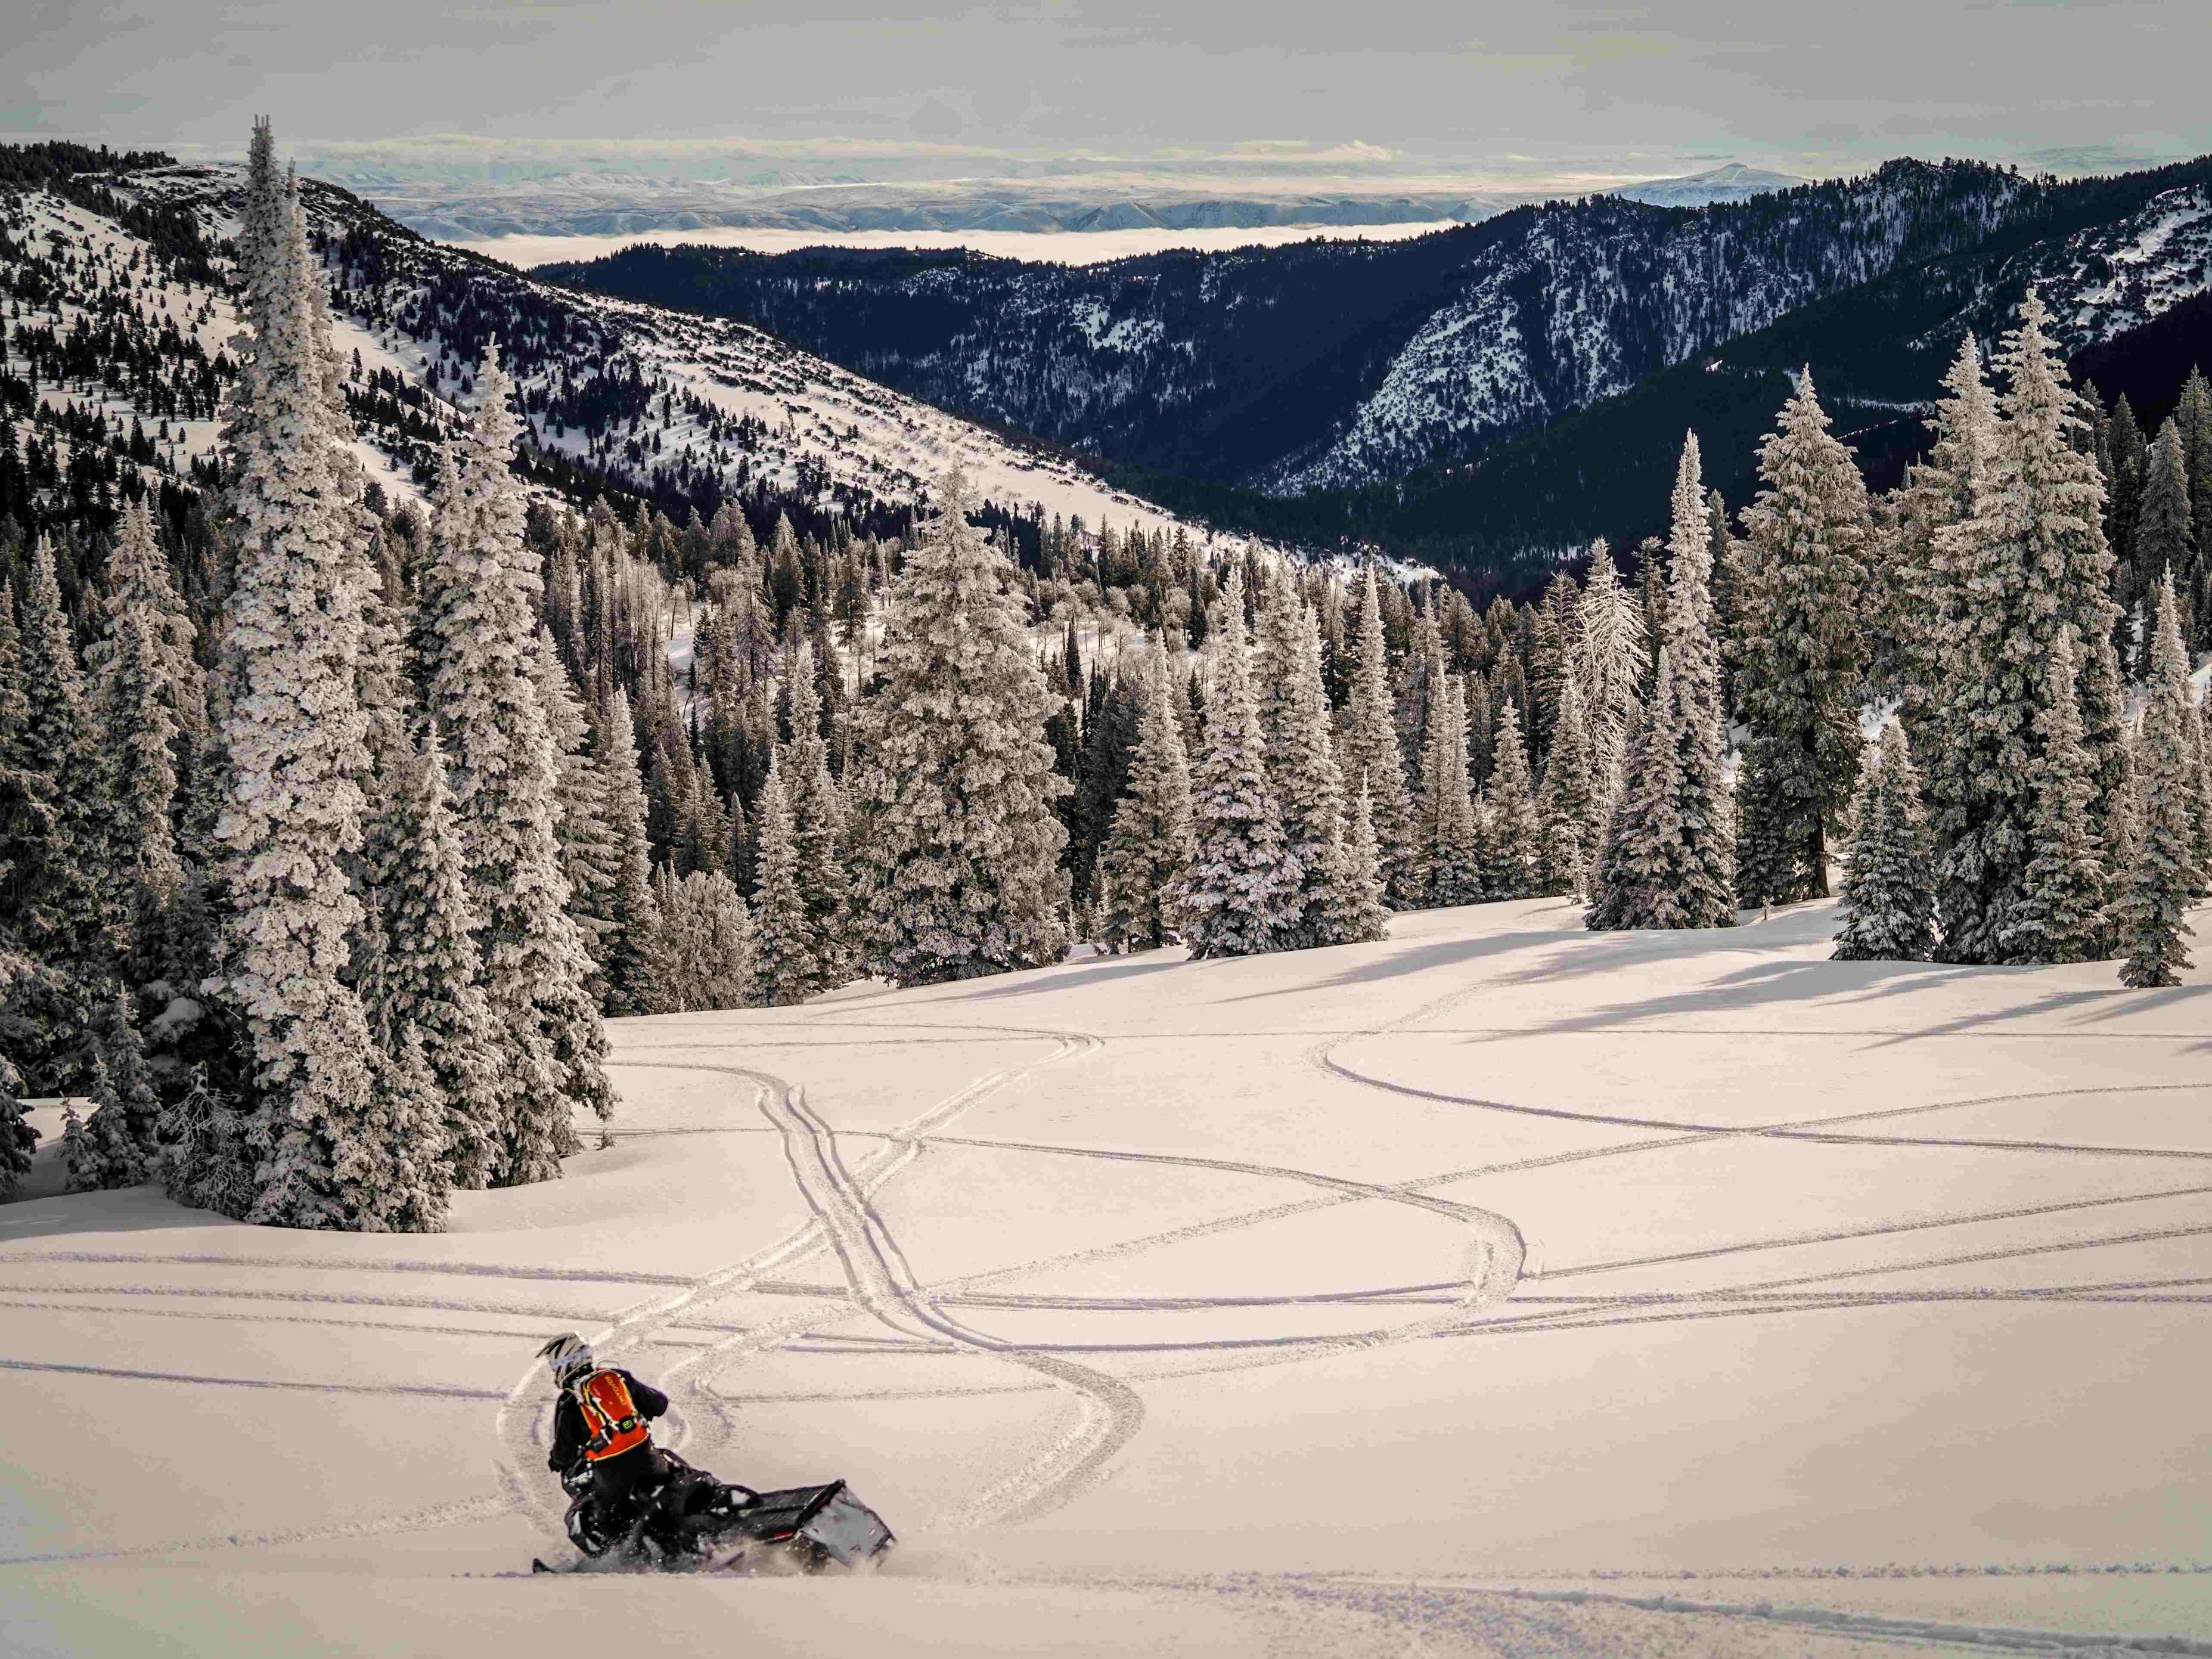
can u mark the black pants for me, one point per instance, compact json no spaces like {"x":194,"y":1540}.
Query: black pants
{"x":622,"y":1483}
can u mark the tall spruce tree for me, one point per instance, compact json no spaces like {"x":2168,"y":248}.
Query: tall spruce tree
{"x":785,"y":968}
{"x":336,"y":1132}
{"x":2060,"y":915}
{"x":635,"y":933}
{"x":1887,"y":906}
{"x":1301,"y":769}
{"x":1566,"y":801}
{"x":1706,"y":858}
{"x":1368,"y":745}
{"x":1514,"y":850}
{"x":1359,"y":912}
{"x":1148,"y":854}
{"x":817,"y":818}
{"x":2166,"y":536}
{"x":2151,"y":914}
{"x":1800,"y":650}
{"x":479,"y":641}
{"x":958,"y":841}
{"x":1641,"y":877}
{"x":1448,"y":852}
{"x":1610,"y":659}
{"x":431,"y":977}
{"x":2030,"y":559}
{"x":1240,"y":895}
{"x":150,"y":701}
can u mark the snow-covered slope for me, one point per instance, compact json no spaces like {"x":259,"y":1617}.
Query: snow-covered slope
{"x":1302,"y":1304}
{"x":640,"y":399}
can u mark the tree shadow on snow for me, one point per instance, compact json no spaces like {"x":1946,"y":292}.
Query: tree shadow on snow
{"x":125,"y":1210}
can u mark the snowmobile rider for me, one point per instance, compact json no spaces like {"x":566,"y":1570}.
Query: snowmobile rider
{"x":601,"y":1419}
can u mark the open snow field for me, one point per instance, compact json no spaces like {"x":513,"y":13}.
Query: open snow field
{"x":1469,"y":1293}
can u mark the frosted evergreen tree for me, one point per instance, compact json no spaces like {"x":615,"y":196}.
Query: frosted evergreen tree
{"x":1566,"y":800}
{"x":711,"y":945}
{"x":1634,"y":875}
{"x":333,"y":1136}
{"x":61,"y":899}
{"x":591,"y":849}
{"x":634,"y":930}
{"x":1515,"y":846}
{"x":786,"y":969}
{"x":150,"y":697}
{"x":817,"y":818}
{"x":480,"y":640}
{"x":1799,"y":652}
{"x":958,"y":838}
{"x":2030,"y":560}
{"x":1705,"y":896}
{"x":115,"y":1147}
{"x":2060,"y":915}
{"x":1359,"y":912}
{"x":1147,"y":854}
{"x":1368,"y":745}
{"x":1301,"y":769}
{"x":1610,"y":657}
{"x":2151,"y":913}
{"x":1447,"y":846}
{"x":1887,"y":906}
{"x":430,"y":976}
{"x":2197,"y":740}
{"x":1640,"y":876}
{"x":18,"y":1140}
{"x":2164,"y":537}
{"x":1240,"y":895}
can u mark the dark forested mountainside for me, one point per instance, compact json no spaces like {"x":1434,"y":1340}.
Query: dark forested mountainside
{"x":1337,"y":365}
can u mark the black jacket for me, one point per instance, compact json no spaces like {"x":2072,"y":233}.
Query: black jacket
{"x":569,"y":1433}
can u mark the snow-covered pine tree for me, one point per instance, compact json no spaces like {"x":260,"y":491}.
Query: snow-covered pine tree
{"x":149,"y":696}
{"x":2197,"y":739}
{"x":430,"y":979}
{"x":959,"y":841}
{"x":1148,"y":854}
{"x":1359,"y":913}
{"x":479,"y":642}
{"x":1640,"y":875}
{"x":2165,"y":535}
{"x":2154,"y":890}
{"x":18,"y":1140}
{"x":1368,"y":745}
{"x":784,"y":959}
{"x":591,"y":849}
{"x":67,"y":918}
{"x":1800,"y":651}
{"x":636,"y":968}
{"x":1564,"y":801}
{"x":1240,"y":895}
{"x":1515,"y":846}
{"x":818,"y":819}
{"x":1447,"y":846}
{"x":334,"y":1140}
{"x":1302,"y":770}
{"x":1706,"y":894}
{"x":2030,"y":559}
{"x":2060,"y":913}
{"x":1610,"y":659}
{"x":710,"y":941}
{"x":1888,"y":904}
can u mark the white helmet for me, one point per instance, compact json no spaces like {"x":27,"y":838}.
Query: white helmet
{"x":566,"y":1355}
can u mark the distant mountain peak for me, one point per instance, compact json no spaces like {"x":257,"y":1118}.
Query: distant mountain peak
{"x":1730,"y":182}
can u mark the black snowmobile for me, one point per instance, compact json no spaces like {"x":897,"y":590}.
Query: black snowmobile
{"x":697,"y":1523}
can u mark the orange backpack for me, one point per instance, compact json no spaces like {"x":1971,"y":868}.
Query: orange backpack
{"x":610,"y":1415}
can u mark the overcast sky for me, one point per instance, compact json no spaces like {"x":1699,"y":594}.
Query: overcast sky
{"x":1780,"y":81}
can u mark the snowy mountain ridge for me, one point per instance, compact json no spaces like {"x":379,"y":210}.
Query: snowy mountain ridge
{"x":617,"y":395}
